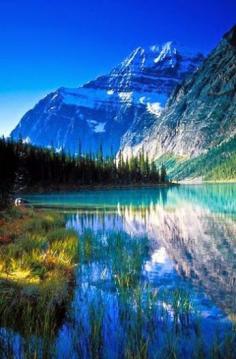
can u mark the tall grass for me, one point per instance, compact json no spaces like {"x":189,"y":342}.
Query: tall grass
{"x":36,"y":276}
{"x":121,"y":309}
{"x":150,"y":322}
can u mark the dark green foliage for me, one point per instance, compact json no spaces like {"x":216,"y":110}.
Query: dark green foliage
{"x":8,"y":166}
{"x":163,"y":174}
{"x":26,"y":166}
{"x":219,"y":163}
{"x":225,"y":170}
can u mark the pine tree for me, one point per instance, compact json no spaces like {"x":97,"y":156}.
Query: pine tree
{"x":163,"y":174}
{"x":24,"y":165}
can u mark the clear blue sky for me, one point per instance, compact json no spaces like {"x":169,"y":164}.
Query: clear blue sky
{"x":46,"y":44}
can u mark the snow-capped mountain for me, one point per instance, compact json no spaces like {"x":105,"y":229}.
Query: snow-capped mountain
{"x":200,"y":114}
{"x":103,"y":110}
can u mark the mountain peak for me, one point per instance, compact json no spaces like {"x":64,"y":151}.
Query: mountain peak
{"x":200,"y":113}
{"x":171,"y":53}
{"x":230,"y":36}
{"x":166,"y":47}
{"x":135,"y":57}
{"x":104,"y":109}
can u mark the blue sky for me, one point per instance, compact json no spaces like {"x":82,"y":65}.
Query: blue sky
{"x":46,"y":44}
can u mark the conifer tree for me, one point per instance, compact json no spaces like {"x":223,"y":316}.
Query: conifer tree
{"x":24,"y":165}
{"x":163,"y":174}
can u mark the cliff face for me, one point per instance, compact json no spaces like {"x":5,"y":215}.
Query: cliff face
{"x":164,"y":100}
{"x":103,"y":110}
{"x":200,"y":114}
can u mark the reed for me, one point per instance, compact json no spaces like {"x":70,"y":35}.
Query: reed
{"x":37,"y":270}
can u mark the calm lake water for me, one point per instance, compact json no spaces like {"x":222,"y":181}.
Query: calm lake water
{"x":183,"y":241}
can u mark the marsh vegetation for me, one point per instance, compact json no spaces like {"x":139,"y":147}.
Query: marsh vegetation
{"x":37,"y":258}
{"x":71,"y":291}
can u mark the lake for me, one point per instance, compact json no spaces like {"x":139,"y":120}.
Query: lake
{"x":157,"y":272}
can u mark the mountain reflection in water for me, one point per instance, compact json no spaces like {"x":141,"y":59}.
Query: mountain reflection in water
{"x":192,"y":233}
{"x":157,"y":271}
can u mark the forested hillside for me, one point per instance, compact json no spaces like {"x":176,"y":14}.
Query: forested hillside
{"x":219,"y":163}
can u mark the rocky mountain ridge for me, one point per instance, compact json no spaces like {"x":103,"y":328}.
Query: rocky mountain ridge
{"x":199,"y":116}
{"x":103,"y":110}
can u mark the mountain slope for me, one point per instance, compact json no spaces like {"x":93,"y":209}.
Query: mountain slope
{"x":218,"y":164}
{"x":103,"y":110}
{"x":200,"y":114}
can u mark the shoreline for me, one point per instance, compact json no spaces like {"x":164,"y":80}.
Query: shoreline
{"x":196,"y":183}
{"x":108,"y":187}
{"x":52,"y":189}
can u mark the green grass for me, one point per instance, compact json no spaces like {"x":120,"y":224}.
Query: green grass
{"x":36,"y":273}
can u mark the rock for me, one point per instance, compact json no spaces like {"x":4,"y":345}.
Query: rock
{"x":20,"y":202}
{"x":230,"y":36}
{"x":103,"y":110}
{"x":200,"y":114}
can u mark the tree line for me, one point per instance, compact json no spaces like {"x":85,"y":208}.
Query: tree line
{"x":24,"y":166}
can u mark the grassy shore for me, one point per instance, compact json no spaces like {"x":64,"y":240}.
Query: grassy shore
{"x":37,"y":256}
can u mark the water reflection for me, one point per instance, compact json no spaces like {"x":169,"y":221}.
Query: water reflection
{"x":192,"y":234}
{"x":200,"y":243}
{"x":217,"y":198}
{"x":154,"y":264}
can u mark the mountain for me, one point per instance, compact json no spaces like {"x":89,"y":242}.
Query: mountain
{"x":198,"y":122}
{"x":183,"y":231}
{"x":130,"y":97}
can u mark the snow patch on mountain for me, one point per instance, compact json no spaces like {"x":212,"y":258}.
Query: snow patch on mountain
{"x":167,"y":50}
{"x":125,"y":96}
{"x":90,"y":98}
{"x":154,"y":108}
{"x":97,"y":127}
{"x":200,"y":114}
{"x":107,"y":108}
{"x":100,"y":127}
